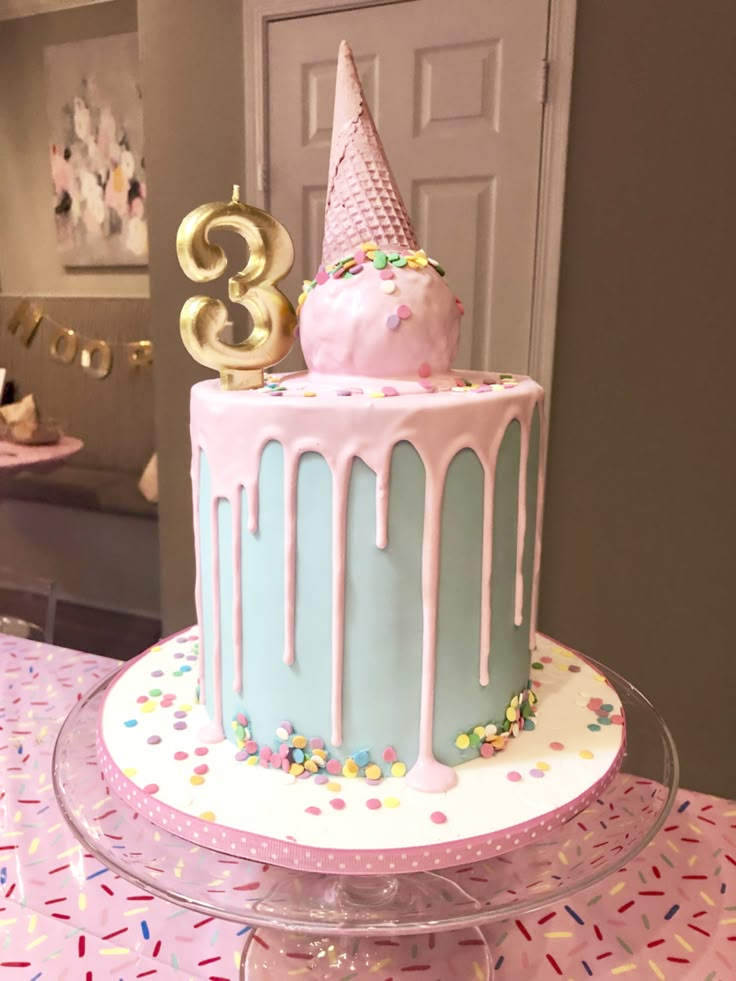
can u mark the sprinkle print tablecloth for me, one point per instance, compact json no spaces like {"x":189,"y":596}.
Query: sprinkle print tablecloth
{"x":671,"y":914}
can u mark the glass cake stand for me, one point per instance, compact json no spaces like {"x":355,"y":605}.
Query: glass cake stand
{"x":342,"y":926}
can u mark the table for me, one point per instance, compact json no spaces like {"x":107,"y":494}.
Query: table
{"x":15,"y":457}
{"x":670,"y":915}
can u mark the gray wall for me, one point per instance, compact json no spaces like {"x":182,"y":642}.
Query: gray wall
{"x":192,"y":71}
{"x":638,"y":565}
{"x":639,"y":523}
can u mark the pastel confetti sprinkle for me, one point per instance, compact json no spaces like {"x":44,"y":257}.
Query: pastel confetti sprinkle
{"x":393,"y":321}
{"x":438,"y":817}
{"x":514,"y":776}
{"x":403,"y":311}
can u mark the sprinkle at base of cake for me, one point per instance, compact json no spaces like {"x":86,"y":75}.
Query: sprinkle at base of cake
{"x":152,"y":755}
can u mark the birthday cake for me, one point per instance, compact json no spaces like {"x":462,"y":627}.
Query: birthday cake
{"x":367,"y":541}
{"x":367,"y":531}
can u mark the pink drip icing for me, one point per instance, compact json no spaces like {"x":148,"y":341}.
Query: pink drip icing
{"x":340,"y":484}
{"x":237,"y":509}
{"x":291,"y":468}
{"x":340,"y":430}
{"x":196,"y":463}
{"x":538,"y":529}
{"x":521,"y":525}
{"x":485,"y":576}
{"x":213,"y":731}
{"x":428,"y":773}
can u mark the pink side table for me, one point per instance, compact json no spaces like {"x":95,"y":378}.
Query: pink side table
{"x":15,"y":457}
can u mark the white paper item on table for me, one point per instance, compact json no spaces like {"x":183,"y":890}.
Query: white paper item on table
{"x":148,"y":484}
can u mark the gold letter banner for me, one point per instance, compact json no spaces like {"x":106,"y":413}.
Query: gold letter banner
{"x":25,"y":319}
{"x":96,"y":355}
{"x":64,"y":344}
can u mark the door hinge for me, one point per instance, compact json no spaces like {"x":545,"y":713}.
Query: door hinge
{"x":544,"y":82}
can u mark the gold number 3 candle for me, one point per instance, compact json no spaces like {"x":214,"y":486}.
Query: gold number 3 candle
{"x":271,"y":255}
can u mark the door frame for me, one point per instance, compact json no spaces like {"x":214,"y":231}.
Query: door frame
{"x":555,"y":92}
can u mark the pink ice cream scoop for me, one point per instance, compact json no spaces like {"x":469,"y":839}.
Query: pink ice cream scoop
{"x":375,"y":326}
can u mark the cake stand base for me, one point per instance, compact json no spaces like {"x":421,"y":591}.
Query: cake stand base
{"x":155,"y":752}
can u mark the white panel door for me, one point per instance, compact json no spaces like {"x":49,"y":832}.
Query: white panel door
{"x":455,"y":89}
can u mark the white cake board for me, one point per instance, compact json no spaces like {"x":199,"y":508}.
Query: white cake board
{"x":202,"y":793}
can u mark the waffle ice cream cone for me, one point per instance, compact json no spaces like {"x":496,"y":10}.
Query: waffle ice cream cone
{"x":363,"y":202}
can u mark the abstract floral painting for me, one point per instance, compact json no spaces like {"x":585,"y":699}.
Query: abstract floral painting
{"x":95,"y":114}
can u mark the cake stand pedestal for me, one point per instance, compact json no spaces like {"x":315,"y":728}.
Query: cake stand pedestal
{"x":372,"y":928}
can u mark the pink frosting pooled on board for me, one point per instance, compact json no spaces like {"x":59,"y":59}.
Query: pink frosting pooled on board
{"x":349,"y":326}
